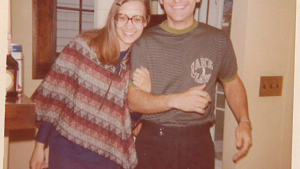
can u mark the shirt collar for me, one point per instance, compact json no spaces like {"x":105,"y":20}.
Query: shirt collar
{"x":165,"y":27}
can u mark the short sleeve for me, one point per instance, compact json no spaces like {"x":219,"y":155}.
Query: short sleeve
{"x":228,"y":69}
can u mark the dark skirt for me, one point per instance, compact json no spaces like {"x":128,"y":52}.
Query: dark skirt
{"x":65,"y":154}
{"x":58,"y":161}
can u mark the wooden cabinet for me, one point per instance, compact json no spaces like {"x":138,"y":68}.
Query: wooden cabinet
{"x":19,"y":114}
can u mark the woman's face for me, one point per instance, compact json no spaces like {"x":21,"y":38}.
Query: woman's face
{"x":130,"y":23}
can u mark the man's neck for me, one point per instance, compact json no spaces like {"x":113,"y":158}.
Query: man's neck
{"x":181,"y":24}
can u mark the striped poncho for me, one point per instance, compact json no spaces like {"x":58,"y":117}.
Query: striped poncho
{"x":70,"y":97}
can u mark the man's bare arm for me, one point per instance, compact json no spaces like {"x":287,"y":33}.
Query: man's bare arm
{"x":195,"y":99}
{"x":237,"y":99}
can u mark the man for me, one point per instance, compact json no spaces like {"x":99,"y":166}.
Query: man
{"x":185,"y":58}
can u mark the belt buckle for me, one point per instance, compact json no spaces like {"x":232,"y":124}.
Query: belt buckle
{"x":161,"y":133}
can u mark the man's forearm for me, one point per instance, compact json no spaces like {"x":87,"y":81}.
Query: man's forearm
{"x":147,"y":103}
{"x":237,"y":98}
{"x":195,"y":99}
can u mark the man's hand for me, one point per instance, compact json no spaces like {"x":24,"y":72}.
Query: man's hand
{"x":243,"y":140}
{"x":141,"y":78}
{"x":195,"y":99}
{"x":37,"y":160}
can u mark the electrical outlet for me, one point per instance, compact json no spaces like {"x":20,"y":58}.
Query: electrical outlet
{"x":270,"y":86}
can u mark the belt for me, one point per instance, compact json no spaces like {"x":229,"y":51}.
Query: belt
{"x":161,"y":130}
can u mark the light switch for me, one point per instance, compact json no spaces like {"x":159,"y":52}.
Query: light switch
{"x":270,"y":86}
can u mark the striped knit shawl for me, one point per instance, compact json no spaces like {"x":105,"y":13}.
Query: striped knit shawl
{"x":70,"y":97}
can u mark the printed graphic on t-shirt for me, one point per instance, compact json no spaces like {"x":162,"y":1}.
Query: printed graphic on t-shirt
{"x":201,"y":70}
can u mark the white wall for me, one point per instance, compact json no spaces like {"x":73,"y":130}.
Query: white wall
{"x":263,"y":36}
{"x":22,"y":34}
{"x":4,"y":11}
{"x":102,"y":8}
{"x":296,"y":118}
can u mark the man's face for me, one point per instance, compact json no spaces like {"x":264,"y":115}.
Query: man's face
{"x":179,"y":11}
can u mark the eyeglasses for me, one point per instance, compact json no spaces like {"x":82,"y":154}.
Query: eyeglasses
{"x":123,"y":19}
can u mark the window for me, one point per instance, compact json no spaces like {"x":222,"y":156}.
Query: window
{"x":55,"y":23}
{"x":70,"y":13}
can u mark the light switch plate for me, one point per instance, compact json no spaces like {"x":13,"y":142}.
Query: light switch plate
{"x":270,"y":86}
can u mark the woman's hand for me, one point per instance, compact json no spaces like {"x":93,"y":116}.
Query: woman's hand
{"x":137,"y":129}
{"x":141,"y":79}
{"x":37,"y":160}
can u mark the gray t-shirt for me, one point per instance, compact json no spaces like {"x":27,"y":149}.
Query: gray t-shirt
{"x":180,"y":59}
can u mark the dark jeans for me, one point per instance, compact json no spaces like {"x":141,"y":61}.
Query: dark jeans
{"x":160,"y":147}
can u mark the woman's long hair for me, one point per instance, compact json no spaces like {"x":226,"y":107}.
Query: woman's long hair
{"x":105,"y":41}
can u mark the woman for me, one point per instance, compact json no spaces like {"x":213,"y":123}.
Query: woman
{"x":82,"y":102}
